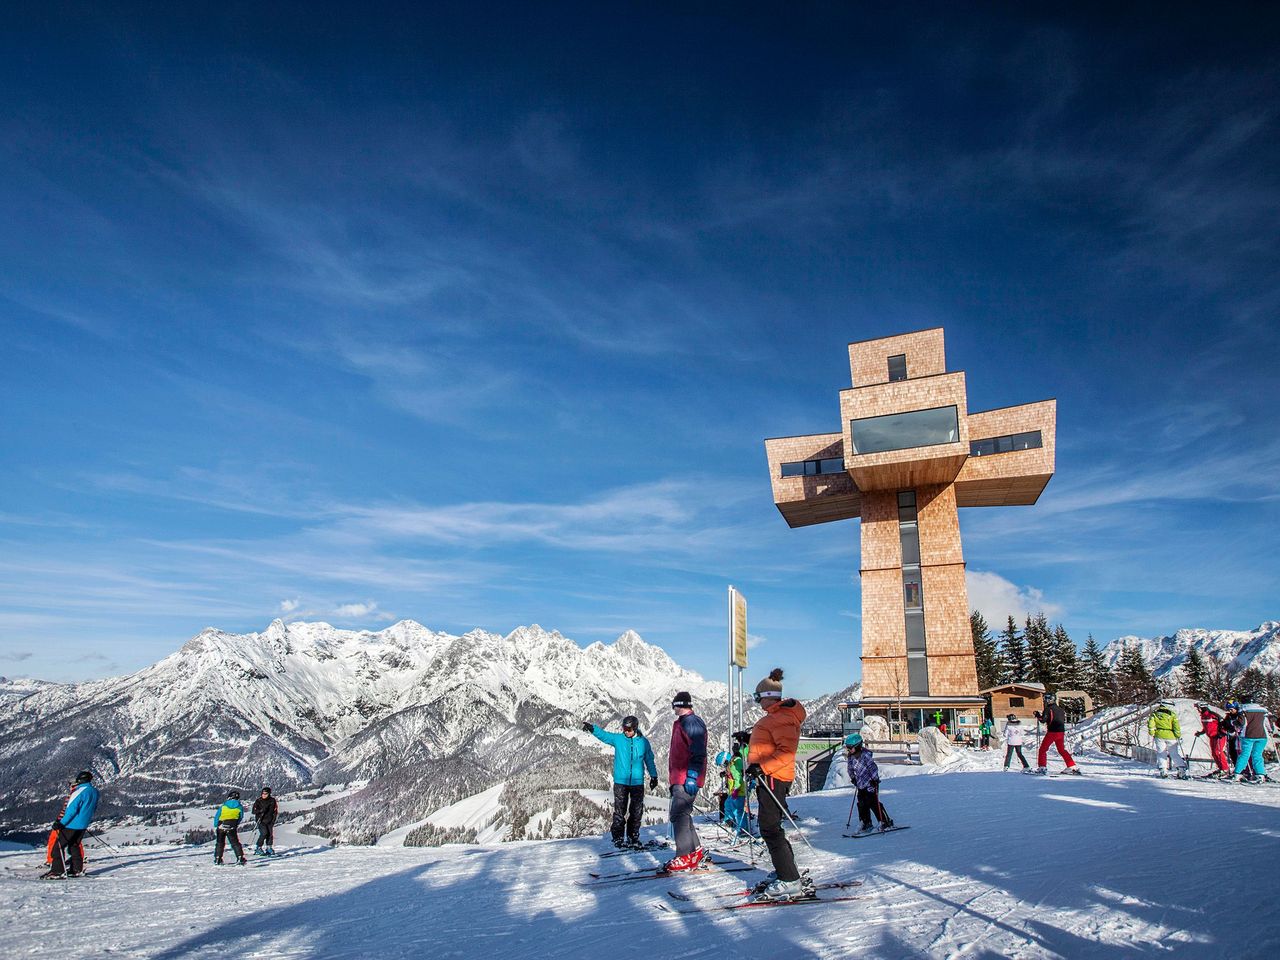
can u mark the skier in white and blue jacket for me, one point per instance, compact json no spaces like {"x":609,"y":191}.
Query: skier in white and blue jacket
{"x":632,"y":759}
{"x":70,"y":828}
{"x":864,"y":774}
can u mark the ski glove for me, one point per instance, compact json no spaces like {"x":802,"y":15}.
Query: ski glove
{"x":690,"y":783}
{"x":754,"y":771}
{"x":653,"y":783}
{"x":57,"y":825}
{"x":588,"y":727}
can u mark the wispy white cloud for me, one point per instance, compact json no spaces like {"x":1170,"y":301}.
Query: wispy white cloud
{"x":997,"y":599}
{"x":288,"y":606}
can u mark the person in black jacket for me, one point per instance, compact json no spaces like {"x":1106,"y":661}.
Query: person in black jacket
{"x":265,"y":811}
{"x":1054,"y":719}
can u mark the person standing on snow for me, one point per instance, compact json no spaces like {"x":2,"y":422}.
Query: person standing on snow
{"x":771,"y":762}
{"x":1257,"y":730}
{"x":984,"y":732}
{"x":226,"y":821}
{"x":265,"y":811}
{"x":1232,"y":726}
{"x":686,"y":767}
{"x":735,"y":804}
{"x":864,"y":774}
{"x":70,"y":829}
{"x":1014,"y":736}
{"x":1211,"y":729}
{"x":632,"y":757}
{"x":1166,"y":735}
{"x":1054,"y":719}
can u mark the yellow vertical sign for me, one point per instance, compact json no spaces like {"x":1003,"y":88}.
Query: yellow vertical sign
{"x":738,"y":629}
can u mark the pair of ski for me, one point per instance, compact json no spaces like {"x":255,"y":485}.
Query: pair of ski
{"x":1051,"y":776}
{"x":875,"y":833}
{"x":639,"y":848}
{"x":660,"y":873}
{"x":711,"y":902}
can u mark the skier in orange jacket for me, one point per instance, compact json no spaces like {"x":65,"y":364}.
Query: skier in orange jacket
{"x":771,"y":763}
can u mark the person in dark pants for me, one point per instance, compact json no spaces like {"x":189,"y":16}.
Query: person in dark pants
{"x":226,"y":821}
{"x":686,"y":768}
{"x":632,"y":758}
{"x":771,"y":760}
{"x":70,"y":829}
{"x":265,"y":811}
{"x":864,"y":774}
{"x":1014,"y":735}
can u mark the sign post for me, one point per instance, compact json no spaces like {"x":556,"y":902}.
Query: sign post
{"x":737,"y":655}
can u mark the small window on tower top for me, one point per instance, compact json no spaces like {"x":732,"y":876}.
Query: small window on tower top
{"x":898,"y":367}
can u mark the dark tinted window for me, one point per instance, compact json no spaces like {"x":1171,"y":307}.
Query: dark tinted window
{"x":915,"y":630}
{"x":898,"y":367}
{"x":1014,"y":441}
{"x":1016,"y":701}
{"x":917,"y":676}
{"x":813,"y":468}
{"x":903,"y":431}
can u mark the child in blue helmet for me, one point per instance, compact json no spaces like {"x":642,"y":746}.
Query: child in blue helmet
{"x":865,"y":776}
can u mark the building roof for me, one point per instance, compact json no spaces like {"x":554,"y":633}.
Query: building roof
{"x":1037,"y":687}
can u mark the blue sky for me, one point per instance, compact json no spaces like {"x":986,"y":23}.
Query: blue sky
{"x":480,"y":317}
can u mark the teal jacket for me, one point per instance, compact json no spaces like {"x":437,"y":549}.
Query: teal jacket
{"x":632,"y":756}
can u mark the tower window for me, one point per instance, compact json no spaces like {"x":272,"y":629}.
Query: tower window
{"x":898,"y":367}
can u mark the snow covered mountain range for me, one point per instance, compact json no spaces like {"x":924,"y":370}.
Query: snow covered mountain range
{"x":1236,"y":649}
{"x":415,"y":718}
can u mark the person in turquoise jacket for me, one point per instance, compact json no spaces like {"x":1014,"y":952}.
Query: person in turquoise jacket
{"x":226,"y":821}
{"x":632,"y":758}
{"x":67,"y":854}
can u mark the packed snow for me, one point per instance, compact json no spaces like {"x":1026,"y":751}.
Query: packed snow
{"x":1113,"y":864}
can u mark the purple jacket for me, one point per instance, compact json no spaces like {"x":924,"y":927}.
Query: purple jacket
{"x":863,"y":770}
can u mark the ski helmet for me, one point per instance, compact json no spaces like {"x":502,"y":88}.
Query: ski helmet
{"x":84,"y":776}
{"x":630,"y":723}
{"x":1050,"y":698}
{"x":723,"y":757}
{"x":1013,"y":716}
{"x":853,"y":740}
{"x":233,"y":794}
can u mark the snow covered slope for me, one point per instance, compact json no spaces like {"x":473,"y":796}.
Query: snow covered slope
{"x":425,"y":717}
{"x":1235,"y":649}
{"x":1110,"y":865}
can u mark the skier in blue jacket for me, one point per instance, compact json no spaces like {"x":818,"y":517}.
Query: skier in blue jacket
{"x":71,"y":827}
{"x":632,"y":757}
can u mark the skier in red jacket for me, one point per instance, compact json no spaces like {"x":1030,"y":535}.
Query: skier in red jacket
{"x":1211,"y":728}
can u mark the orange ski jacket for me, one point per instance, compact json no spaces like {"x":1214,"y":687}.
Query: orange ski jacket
{"x":774,"y":740}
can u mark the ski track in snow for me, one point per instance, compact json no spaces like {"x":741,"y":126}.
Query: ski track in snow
{"x":995,"y":865}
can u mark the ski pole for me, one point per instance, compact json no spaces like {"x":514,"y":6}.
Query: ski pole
{"x":94,"y":835}
{"x":790,"y":819}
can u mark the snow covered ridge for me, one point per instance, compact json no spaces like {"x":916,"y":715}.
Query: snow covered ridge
{"x":424,"y":718}
{"x":1235,"y":649}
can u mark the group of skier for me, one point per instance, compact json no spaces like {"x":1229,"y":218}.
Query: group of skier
{"x":64,"y":853}
{"x":763,"y":761}
{"x":1237,"y":735}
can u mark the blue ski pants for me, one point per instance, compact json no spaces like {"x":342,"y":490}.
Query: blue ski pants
{"x":1252,"y":750}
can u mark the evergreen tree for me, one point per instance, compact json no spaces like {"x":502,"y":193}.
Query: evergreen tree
{"x":1066,"y":661}
{"x":1039,"y":652}
{"x":1194,"y":675}
{"x":985,"y":652}
{"x":1251,"y":687}
{"x":1134,"y":682}
{"x":1098,"y":680}
{"x":1012,"y":654}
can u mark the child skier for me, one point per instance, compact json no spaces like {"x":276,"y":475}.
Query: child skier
{"x":735,"y":804}
{"x":226,"y":821}
{"x":984,"y":732}
{"x":864,"y":774}
{"x":1163,"y":727}
{"x":1212,"y":730}
{"x":1014,"y":736}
